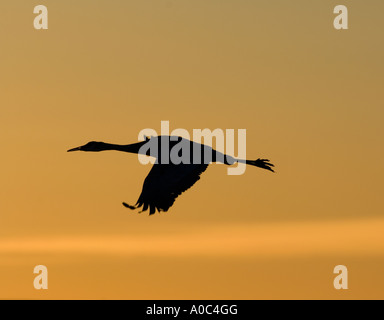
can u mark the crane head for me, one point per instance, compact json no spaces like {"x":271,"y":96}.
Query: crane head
{"x":92,"y":146}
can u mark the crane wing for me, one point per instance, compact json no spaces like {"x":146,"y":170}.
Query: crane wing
{"x":164,"y":183}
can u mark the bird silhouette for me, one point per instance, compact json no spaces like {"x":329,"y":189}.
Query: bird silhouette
{"x":169,"y":179}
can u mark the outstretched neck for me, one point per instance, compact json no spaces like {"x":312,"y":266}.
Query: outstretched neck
{"x":131,"y":148}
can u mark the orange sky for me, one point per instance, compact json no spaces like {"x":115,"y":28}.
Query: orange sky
{"x":309,"y":96}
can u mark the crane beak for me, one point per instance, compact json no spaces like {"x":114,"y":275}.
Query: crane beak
{"x":74,"y":149}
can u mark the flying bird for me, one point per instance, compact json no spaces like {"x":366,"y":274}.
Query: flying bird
{"x":169,"y":179}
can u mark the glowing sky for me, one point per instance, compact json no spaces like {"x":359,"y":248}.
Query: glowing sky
{"x":309,"y":96}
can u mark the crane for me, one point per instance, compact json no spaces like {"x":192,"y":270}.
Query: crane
{"x":169,"y":179}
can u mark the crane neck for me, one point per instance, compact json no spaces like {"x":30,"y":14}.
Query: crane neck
{"x":131,"y":148}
